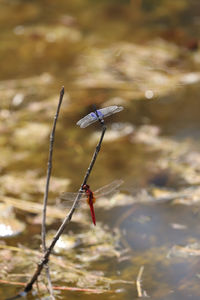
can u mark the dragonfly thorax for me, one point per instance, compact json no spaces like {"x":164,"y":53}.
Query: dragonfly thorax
{"x":89,"y":193}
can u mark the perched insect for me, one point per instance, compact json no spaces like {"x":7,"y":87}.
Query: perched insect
{"x":99,"y":114}
{"x":90,"y":197}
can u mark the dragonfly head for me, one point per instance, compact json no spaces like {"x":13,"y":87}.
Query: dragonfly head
{"x":85,"y":187}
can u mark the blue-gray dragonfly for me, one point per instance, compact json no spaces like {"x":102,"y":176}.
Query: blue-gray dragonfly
{"x":99,"y":114}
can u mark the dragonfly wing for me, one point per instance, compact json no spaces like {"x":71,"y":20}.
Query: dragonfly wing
{"x":66,"y":199}
{"x":69,"y":196}
{"x":102,"y":113}
{"x":87,"y":120}
{"x":108,"y":189}
{"x":110,"y":110}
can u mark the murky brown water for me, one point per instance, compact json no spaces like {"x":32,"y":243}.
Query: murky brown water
{"x":144,"y":56}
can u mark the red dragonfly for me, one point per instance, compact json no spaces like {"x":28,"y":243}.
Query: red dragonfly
{"x":90,"y":197}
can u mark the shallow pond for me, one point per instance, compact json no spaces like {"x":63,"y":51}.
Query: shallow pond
{"x":145,"y":57}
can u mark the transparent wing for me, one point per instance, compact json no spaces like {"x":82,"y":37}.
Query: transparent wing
{"x":108,"y":189}
{"x":110,"y":110}
{"x":66,"y":199}
{"x":71,"y":196}
{"x":103,"y":113}
{"x":86,"y":121}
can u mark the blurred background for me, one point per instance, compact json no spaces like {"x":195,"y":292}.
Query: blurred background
{"x":143,"y":55}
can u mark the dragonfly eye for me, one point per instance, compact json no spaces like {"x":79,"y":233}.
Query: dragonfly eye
{"x":86,"y":187}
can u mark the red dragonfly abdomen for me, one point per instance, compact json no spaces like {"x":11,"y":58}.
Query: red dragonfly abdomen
{"x":90,"y":200}
{"x":92,"y":211}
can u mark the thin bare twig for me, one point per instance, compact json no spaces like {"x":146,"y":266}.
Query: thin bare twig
{"x":49,"y":168}
{"x":59,"y":288}
{"x":50,"y":287}
{"x":138,"y":283}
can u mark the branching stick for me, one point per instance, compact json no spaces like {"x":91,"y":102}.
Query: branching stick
{"x":44,"y":260}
